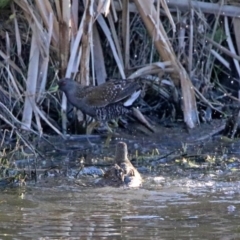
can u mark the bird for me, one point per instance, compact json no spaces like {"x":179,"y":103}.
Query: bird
{"x":106,"y":101}
{"x":122,"y":173}
{"x":128,"y":174}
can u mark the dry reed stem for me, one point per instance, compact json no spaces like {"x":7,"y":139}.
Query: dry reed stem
{"x":31,"y":84}
{"x":107,"y":33}
{"x":115,"y":37}
{"x":126,"y":33}
{"x":153,"y":68}
{"x":162,"y":44}
{"x":86,"y":43}
{"x":231,"y":45}
{"x":99,"y":62}
{"x":45,"y":10}
{"x":71,"y":46}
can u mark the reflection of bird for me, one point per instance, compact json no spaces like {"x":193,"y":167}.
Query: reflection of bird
{"x":106,"y":101}
{"x":123,"y":172}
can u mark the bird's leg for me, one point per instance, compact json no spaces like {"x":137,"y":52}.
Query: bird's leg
{"x":110,"y":132}
{"x":91,"y":126}
{"x":109,"y":136}
{"x":115,"y":123}
{"x":89,"y":130}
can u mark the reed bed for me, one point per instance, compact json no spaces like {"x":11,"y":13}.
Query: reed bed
{"x":185,"y":52}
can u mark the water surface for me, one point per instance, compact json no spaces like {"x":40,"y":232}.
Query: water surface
{"x":177,"y":209}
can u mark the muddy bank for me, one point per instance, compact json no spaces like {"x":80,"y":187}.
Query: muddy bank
{"x":171,"y":151}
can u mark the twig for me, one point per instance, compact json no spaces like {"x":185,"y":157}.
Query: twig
{"x":213,"y":132}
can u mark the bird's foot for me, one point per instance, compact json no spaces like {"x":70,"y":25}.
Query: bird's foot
{"x":91,"y":144}
{"x":108,"y":140}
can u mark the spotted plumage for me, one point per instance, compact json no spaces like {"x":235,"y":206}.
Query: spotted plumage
{"x":104,"y":102}
{"x":111,"y":111}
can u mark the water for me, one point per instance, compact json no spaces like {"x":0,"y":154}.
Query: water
{"x":174,"y":203}
{"x":177,"y":209}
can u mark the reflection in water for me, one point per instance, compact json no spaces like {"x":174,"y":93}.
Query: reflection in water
{"x":176,"y":212}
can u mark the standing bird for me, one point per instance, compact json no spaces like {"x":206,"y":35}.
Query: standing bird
{"x":107,"y":101}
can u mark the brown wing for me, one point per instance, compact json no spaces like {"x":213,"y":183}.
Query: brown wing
{"x":110,"y":92}
{"x":84,"y":91}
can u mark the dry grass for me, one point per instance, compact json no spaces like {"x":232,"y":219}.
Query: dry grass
{"x":182,"y":55}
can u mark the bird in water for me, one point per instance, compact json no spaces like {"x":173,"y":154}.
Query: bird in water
{"x":128,"y":173}
{"x":105,"y":102}
{"x":123,"y":173}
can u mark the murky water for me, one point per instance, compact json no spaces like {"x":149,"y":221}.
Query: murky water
{"x":174,"y":203}
{"x":177,"y":209}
